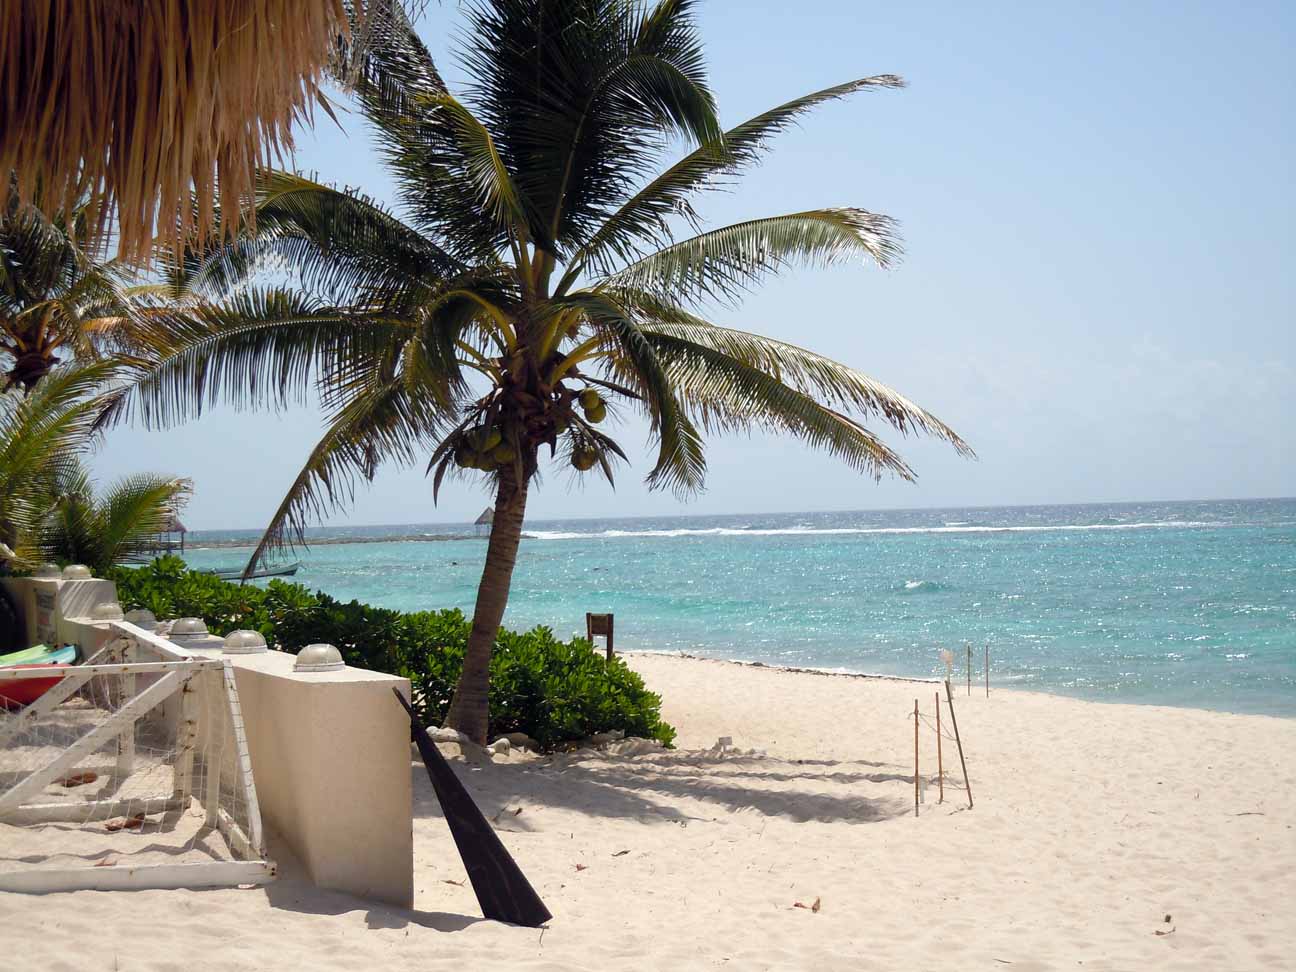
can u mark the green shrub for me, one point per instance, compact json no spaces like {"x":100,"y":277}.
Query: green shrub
{"x":554,"y":691}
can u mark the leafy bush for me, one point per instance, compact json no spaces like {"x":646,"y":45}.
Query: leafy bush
{"x":554,"y":691}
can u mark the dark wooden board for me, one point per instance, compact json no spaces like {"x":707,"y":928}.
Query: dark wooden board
{"x":502,"y":889}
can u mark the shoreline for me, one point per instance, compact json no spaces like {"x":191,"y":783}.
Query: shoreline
{"x":921,"y":680}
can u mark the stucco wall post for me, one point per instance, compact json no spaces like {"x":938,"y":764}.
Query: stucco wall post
{"x":45,"y":604}
{"x":331,"y":759}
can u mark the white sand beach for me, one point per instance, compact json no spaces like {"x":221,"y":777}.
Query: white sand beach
{"x":1103,"y":837}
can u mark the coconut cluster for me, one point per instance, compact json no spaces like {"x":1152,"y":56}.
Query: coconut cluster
{"x":483,"y":448}
{"x":486,"y":447}
{"x":592,"y":403}
{"x":584,"y":456}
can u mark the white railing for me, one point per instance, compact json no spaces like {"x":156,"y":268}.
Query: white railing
{"x":141,"y":729}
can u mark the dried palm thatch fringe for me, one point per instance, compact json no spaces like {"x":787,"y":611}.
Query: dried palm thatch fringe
{"x":158,"y":111}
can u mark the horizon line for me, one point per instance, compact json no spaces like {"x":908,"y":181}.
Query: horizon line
{"x":877,"y":509}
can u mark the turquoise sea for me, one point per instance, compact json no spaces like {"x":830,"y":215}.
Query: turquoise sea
{"x":1189,"y":604}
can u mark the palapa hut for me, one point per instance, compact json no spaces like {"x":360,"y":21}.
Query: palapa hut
{"x":173,"y":534}
{"x":485,"y":521}
{"x":159,"y":111}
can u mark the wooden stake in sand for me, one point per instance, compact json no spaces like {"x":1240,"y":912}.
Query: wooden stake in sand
{"x":987,"y":669}
{"x":958,"y":739}
{"x":969,"y":668}
{"x":915,"y":757}
{"x":940,"y":760}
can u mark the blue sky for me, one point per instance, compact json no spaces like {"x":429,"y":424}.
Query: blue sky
{"x":1098,"y":209}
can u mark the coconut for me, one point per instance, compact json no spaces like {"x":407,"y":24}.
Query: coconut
{"x":596,"y":414}
{"x":463,"y":456}
{"x":484,"y":438}
{"x":503,"y":453}
{"x":584,"y":458}
{"x":590,"y":399}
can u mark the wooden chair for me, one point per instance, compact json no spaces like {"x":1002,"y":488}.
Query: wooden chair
{"x":599,"y":624}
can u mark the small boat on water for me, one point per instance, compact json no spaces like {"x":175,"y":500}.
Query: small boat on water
{"x":236,"y":573}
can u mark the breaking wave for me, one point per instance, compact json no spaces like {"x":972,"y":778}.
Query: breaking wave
{"x":921,"y":587}
{"x":864,"y":531}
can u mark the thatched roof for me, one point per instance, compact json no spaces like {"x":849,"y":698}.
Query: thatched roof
{"x":145,"y":105}
{"x":174,"y":525}
{"x":487,"y":517}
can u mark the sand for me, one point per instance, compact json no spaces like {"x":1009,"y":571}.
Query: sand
{"x":1093,"y":824}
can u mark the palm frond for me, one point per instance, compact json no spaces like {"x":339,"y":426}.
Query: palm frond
{"x":41,"y":436}
{"x":118,"y":527}
{"x":632,"y":359}
{"x":580,"y":98}
{"x":384,"y":422}
{"x":258,"y":349}
{"x":723,"y":263}
{"x":836,"y":385}
{"x":339,"y":243}
{"x":139,"y":507}
{"x":485,"y":168}
{"x":645,"y":218}
{"x":401,"y":93}
{"x":56,"y":302}
{"x":732,"y":396}
{"x":384,"y":59}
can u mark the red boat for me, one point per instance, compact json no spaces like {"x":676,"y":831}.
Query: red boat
{"x":18,"y":692}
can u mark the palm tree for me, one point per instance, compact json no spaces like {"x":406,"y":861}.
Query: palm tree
{"x":535,"y":287}
{"x":47,"y":507}
{"x":118,"y":527}
{"x":56,"y":298}
{"x":40,"y":436}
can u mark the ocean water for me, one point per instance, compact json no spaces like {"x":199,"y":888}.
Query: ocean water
{"x":1189,"y":604}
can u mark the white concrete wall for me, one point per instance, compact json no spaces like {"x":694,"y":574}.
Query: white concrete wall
{"x":45,"y":604}
{"x":331,"y":759}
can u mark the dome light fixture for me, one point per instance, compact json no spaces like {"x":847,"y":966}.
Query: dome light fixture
{"x":319,"y":658}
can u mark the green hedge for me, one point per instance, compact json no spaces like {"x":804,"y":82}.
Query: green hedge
{"x":554,"y":691}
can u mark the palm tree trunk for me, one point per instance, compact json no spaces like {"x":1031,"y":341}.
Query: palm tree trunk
{"x":470,"y":708}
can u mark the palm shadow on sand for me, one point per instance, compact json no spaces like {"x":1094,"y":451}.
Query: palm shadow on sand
{"x":668,"y":788}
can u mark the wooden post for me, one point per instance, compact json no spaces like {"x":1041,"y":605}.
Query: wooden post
{"x":126,"y":741}
{"x":987,"y":668}
{"x":969,"y":668}
{"x":213,"y":692}
{"x":186,"y":743}
{"x":915,"y":757}
{"x":599,"y":624}
{"x":940,"y":760}
{"x":959,"y":739}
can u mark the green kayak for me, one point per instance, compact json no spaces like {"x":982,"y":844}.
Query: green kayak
{"x":40,"y":655}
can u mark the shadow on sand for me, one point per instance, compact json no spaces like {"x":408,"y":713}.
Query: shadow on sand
{"x":292,"y":890}
{"x":674,"y":788}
